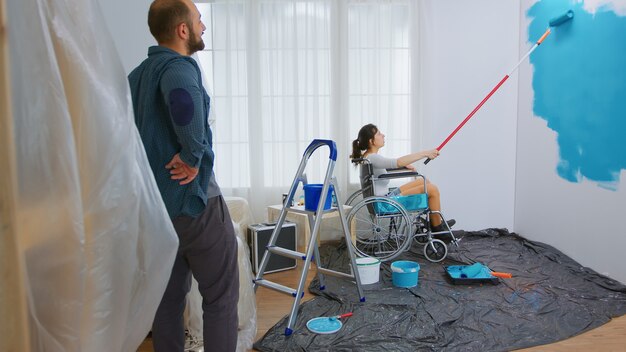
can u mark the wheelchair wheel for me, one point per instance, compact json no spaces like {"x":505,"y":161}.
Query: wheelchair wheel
{"x":435,"y":250}
{"x":379,"y":227}
{"x":355,"y":198}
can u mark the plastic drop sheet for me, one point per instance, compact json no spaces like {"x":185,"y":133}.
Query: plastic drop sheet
{"x":550,"y":298}
{"x":97,"y":241}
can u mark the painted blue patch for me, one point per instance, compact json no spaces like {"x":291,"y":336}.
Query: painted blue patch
{"x":181,"y":106}
{"x":579,"y":84}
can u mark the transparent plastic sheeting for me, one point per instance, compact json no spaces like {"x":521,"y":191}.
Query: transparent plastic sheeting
{"x":97,"y":241}
{"x":246,"y":308}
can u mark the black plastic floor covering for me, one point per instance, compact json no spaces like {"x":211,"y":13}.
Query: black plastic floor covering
{"x":550,"y":298}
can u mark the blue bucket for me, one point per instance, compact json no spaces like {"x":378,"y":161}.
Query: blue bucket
{"x":404,"y":273}
{"x":312,"y":194}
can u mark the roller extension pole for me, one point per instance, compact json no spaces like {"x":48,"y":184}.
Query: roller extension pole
{"x":553,"y":23}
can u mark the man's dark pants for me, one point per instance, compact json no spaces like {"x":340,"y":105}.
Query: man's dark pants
{"x":208,"y":249}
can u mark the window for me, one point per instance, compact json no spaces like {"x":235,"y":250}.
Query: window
{"x":282,"y":73}
{"x":380,"y":71}
{"x":224,"y":63}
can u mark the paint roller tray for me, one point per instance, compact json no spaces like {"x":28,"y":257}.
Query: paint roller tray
{"x":484,"y":276}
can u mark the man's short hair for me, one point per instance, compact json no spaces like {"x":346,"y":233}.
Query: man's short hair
{"x":164,"y":16}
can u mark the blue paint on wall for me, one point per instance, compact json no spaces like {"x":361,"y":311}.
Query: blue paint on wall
{"x":579,"y":84}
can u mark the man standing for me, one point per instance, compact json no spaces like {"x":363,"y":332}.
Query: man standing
{"x":171,"y":110}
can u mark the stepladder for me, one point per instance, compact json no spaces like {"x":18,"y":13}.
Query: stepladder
{"x":311,"y":252}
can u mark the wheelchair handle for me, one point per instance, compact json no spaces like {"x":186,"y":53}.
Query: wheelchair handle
{"x":360,"y":160}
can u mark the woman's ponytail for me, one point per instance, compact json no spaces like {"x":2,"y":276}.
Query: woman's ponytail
{"x":356,"y":150}
{"x":366,"y":134}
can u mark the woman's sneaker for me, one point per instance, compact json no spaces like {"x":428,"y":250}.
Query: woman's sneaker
{"x":441,"y":228}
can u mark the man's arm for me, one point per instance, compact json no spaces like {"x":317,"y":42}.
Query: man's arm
{"x":183,"y":95}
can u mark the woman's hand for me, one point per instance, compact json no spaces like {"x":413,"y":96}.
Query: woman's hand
{"x":411,"y":167}
{"x":406,"y":160}
{"x":431,"y":154}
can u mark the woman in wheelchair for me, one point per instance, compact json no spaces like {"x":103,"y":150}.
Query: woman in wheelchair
{"x":367,"y":145}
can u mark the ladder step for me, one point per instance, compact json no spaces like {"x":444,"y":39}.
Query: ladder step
{"x":335,"y":273}
{"x":286,"y":252}
{"x":278,"y":287}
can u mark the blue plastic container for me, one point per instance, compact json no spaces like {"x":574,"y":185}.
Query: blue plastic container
{"x":312,"y":195}
{"x":404,"y":273}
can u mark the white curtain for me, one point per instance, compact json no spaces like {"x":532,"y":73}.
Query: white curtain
{"x":96,"y":239}
{"x":283,"y":73}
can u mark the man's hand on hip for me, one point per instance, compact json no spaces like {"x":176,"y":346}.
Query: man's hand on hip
{"x":181,"y":171}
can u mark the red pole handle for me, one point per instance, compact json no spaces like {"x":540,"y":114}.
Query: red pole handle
{"x":547,"y":32}
{"x":470,"y":115}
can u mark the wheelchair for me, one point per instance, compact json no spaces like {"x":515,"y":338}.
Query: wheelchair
{"x":384,"y":227}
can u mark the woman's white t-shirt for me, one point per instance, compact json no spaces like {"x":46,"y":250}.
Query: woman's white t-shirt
{"x":380,"y":164}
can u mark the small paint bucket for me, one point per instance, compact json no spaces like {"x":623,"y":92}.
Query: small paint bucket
{"x":312,"y":195}
{"x":404,"y":273}
{"x":369,"y":270}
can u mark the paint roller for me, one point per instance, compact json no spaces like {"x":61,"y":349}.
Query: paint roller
{"x":476,"y":269}
{"x":555,"y":22}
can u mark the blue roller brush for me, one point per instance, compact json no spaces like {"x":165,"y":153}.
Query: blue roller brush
{"x":557,"y":21}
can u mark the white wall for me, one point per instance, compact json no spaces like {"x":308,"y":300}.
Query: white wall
{"x":582,"y":220}
{"x":127,"y":21}
{"x":466,"y":48}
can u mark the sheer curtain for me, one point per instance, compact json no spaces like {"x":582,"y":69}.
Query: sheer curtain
{"x":284,"y":72}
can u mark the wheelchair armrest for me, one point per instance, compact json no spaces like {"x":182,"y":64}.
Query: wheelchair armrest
{"x":399,"y":172}
{"x":399,"y":175}
{"x":394,"y":169}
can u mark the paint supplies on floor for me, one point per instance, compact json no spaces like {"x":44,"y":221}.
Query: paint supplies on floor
{"x":475,"y":273}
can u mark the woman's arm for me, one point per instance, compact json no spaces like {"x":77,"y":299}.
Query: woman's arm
{"x":411,"y":158}
{"x":380,"y":162}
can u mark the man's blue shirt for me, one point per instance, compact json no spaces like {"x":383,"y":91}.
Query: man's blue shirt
{"x":171,"y":113}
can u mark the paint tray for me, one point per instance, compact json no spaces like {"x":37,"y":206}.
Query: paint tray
{"x":455,"y":272}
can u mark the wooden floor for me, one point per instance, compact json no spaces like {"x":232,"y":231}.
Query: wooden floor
{"x":273,"y":306}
